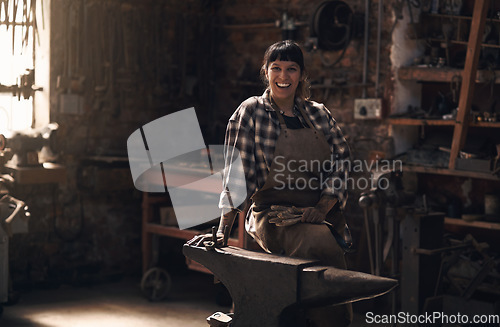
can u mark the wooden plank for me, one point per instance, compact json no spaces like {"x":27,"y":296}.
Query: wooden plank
{"x":476,"y":224}
{"x":460,"y":17}
{"x":485,"y":124}
{"x":171,"y":231}
{"x":468,"y":79}
{"x":183,"y":234}
{"x":450,"y":172}
{"x":445,"y":75}
{"x":437,"y":122}
{"x":48,"y":173}
{"x":420,"y":122}
{"x":427,"y":74}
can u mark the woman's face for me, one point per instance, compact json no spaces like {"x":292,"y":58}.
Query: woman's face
{"x":284,"y":78}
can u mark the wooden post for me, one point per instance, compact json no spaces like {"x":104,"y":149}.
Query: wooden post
{"x":468,"y":79}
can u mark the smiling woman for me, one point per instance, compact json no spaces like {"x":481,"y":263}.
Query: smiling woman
{"x":283,"y":123}
{"x":284,"y":73}
{"x":284,"y":78}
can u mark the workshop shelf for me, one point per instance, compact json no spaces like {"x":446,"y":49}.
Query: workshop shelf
{"x":420,"y":122}
{"x":46,"y":173}
{"x":437,"y":122}
{"x":460,"y":82}
{"x":443,"y":74}
{"x":475,"y":224}
{"x":449,"y":172}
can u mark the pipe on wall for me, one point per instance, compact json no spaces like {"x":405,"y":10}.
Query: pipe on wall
{"x":379,"y":40}
{"x":365,"y":59}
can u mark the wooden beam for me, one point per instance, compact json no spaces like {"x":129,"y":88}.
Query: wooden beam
{"x":468,"y":80}
{"x":446,"y":74}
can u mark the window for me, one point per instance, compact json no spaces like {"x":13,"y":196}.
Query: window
{"x":17,"y":35}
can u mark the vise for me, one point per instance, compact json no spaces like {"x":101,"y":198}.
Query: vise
{"x":268,"y":290}
{"x":25,"y":145}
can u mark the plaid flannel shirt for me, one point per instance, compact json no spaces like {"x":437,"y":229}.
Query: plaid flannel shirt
{"x":254,"y":128}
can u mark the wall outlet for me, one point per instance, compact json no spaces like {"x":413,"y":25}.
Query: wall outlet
{"x":367,"y":108}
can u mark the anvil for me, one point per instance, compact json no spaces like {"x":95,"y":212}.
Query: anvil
{"x":267,"y":289}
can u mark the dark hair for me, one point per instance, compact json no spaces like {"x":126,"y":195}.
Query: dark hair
{"x":287,"y":50}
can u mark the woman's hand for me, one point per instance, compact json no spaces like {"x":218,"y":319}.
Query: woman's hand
{"x":317,"y":214}
{"x":313,"y":215}
{"x":203,"y":239}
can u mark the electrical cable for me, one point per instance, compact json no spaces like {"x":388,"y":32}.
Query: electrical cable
{"x":322,"y":21}
{"x":332,"y":25}
{"x":336,"y":61}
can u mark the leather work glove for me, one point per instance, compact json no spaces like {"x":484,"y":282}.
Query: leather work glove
{"x":285,"y":215}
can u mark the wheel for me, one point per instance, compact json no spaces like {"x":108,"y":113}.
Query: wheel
{"x":156,"y":284}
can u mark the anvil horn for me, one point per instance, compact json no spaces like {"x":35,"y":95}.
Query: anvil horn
{"x":263,"y":285}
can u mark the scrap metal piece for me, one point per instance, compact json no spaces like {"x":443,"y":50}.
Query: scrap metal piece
{"x":219,"y":319}
{"x":266,"y":287}
{"x":209,"y":245}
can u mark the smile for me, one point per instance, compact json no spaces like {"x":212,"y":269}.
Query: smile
{"x":283,"y":85}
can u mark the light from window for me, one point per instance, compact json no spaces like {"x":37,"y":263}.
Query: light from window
{"x":16,"y":113}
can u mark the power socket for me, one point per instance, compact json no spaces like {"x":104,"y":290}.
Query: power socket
{"x":367,"y":108}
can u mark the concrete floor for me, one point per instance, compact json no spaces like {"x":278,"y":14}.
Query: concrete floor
{"x":117,"y":304}
{"x":121,"y":304}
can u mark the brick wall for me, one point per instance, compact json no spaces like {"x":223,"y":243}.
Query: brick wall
{"x":134,"y":61}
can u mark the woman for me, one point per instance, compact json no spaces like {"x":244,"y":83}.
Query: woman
{"x":290,"y":148}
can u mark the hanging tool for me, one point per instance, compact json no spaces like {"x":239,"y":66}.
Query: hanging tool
{"x":386,"y":195}
{"x":14,"y":14}
{"x":397,"y":8}
{"x":24,"y":22}
{"x":365,"y":202}
{"x":6,"y":13}
{"x":7,"y":18}
{"x":34,"y":20}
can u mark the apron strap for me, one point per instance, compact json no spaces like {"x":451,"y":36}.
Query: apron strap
{"x":306,"y":118}
{"x":281,"y":119}
{"x":308,"y":121}
{"x":277,"y":111}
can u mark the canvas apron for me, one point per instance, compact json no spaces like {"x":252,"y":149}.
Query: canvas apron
{"x":295,"y":177}
{"x":288,"y":183}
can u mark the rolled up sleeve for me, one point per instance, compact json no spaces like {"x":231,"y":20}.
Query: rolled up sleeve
{"x":239,"y":178}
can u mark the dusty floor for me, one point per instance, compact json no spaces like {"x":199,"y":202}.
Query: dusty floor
{"x":193,"y":297}
{"x":116,"y":304}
